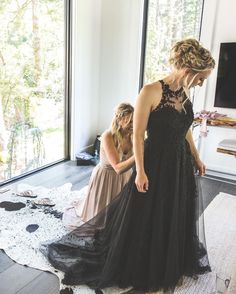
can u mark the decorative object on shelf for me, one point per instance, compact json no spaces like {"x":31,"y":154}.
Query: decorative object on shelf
{"x":204,"y":116}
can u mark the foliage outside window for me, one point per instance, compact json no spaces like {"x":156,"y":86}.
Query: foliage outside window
{"x":32,"y":77}
{"x":168,"y":22}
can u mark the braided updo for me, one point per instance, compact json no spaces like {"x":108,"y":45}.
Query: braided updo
{"x":189,"y":53}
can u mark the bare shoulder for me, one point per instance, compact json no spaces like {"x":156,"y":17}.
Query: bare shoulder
{"x":151,"y":93}
{"x":152,"y":87}
{"x":106,"y":136}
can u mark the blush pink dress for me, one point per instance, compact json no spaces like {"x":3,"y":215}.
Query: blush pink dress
{"x":104,"y":185}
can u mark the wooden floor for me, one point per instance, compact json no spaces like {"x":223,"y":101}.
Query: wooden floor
{"x":15,"y":278}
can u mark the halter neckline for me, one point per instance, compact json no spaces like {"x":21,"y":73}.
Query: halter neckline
{"x":177,"y":92}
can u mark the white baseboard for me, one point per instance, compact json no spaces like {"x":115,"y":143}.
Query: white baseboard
{"x":223,"y":175}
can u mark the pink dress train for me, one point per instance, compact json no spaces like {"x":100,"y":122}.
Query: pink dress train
{"x":104,"y":185}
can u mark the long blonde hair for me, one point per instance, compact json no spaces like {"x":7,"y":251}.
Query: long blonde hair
{"x":121,"y":111}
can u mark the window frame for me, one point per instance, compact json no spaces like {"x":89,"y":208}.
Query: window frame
{"x":144,"y":39}
{"x":68,"y":12}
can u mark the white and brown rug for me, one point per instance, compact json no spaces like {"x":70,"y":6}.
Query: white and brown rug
{"x":23,"y":230}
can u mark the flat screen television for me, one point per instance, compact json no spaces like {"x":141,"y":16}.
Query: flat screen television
{"x":226,"y":77}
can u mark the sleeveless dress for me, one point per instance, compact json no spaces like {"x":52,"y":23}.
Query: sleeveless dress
{"x":150,"y":240}
{"x":104,"y":185}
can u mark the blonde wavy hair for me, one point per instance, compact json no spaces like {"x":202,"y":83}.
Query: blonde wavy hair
{"x":189,"y":53}
{"x":122,"y":110}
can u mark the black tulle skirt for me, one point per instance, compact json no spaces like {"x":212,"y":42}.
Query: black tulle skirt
{"x":145,"y":241}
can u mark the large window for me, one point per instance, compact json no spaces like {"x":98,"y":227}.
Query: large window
{"x":168,"y":21}
{"x":33,"y":75}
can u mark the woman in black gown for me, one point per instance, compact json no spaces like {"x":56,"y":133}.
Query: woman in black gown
{"x":151,"y":237}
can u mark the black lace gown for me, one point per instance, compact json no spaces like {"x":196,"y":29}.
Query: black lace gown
{"x":149,"y":241}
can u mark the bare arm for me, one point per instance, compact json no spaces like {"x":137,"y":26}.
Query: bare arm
{"x":113,"y":156}
{"x":199,"y":164}
{"x":144,"y":104}
{"x":189,"y":138}
{"x":141,"y":115}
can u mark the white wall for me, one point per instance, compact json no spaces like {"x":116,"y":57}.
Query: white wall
{"x":218,"y":26}
{"x":121,"y":34}
{"x":106,"y":54}
{"x":86,"y":73}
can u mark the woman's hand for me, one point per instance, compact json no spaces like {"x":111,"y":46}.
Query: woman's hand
{"x":141,"y":182}
{"x":200,"y":167}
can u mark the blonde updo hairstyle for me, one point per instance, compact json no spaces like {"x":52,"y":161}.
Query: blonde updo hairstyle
{"x":121,"y":111}
{"x":191,"y":54}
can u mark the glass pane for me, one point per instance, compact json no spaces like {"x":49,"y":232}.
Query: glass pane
{"x":32,"y":74}
{"x":168,"y":21}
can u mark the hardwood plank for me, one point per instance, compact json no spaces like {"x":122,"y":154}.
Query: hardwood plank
{"x":45,"y":283}
{"x":57,"y":176}
{"x":72,"y":174}
{"x":16,"y":277}
{"x":5,"y":261}
{"x":80,"y":184}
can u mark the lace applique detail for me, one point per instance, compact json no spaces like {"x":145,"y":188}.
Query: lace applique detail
{"x":174,"y":99}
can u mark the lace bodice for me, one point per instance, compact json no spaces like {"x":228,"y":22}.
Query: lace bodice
{"x":170,"y":120}
{"x":175,"y":99}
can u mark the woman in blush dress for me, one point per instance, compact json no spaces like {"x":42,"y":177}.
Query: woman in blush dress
{"x":113,"y":171}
